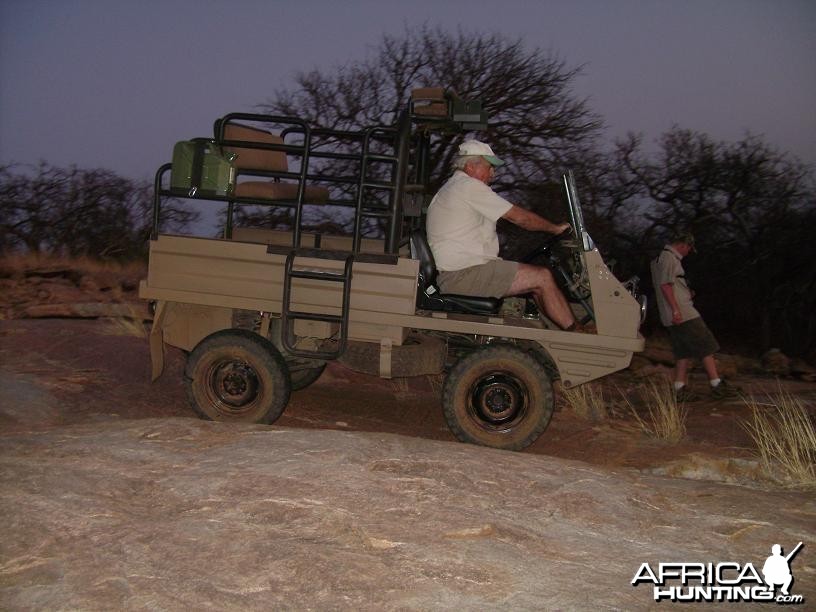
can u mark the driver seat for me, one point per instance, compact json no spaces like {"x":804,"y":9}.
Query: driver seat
{"x":428,"y":294}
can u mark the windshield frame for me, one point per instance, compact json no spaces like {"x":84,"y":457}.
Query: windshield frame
{"x":576,"y":215}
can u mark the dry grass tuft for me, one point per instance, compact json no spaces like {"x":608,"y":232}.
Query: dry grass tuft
{"x":436,"y":382}
{"x":785,"y":437}
{"x":400,"y":386}
{"x":666,"y":418}
{"x":586,"y":401}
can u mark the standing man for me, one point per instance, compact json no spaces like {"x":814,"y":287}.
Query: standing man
{"x":688,"y":333}
{"x":461,"y":227}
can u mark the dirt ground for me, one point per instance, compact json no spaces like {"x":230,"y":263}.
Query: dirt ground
{"x":101,"y":367}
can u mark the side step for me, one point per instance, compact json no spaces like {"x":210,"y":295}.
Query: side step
{"x":289,"y":316}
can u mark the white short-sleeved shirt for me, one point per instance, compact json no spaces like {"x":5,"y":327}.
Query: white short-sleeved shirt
{"x":461,"y":223}
{"x":668,"y":268}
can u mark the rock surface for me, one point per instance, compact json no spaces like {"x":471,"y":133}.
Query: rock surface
{"x":776,"y":362}
{"x":104,"y":506}
{"x":177,"y":513}
{"x":87,"y":310}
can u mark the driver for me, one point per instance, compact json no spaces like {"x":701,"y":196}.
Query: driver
{"x":461,"y":227}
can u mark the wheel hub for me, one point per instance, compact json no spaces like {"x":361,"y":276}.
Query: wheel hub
{"x":498,"y":400}
{"x":235,"y":384}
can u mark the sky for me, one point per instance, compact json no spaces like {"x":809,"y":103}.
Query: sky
{"x":115,"y":83}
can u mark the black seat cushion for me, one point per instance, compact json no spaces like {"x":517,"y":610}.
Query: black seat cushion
{"x":429,"y":296}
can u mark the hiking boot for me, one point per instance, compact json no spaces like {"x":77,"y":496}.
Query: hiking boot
{"x":725,"y":390}
{"x":583,"y":328}
{"x":531,"y":311}
{"x":686,"y":395}
{"x":588,"y":328}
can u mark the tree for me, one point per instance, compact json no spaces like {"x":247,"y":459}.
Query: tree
{"x":536,"y":123}
{"x":79,"y":212}
{"x":751,"y":209}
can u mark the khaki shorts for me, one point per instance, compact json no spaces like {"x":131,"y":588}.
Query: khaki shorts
{"x":491,"y":279}
{"x":692,"y":339}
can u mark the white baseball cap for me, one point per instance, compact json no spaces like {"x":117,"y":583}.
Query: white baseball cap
{"x":476,"y":147}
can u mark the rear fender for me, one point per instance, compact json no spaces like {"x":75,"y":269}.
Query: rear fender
{"x":183,"y":326}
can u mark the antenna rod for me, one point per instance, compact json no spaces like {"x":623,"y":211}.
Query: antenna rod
{"x":793,"y":552}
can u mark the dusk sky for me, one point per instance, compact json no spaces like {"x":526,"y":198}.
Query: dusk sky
{"x":114,"y":84}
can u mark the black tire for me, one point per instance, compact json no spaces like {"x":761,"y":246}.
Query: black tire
{"x":498,"y":396}
{"x":302,"y":377}
{"x":543,"y":357}
{"x":235,"y":375}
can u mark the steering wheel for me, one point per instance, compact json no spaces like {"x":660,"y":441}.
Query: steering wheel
{"x":543,"y":249}
{"x":574,"y":290}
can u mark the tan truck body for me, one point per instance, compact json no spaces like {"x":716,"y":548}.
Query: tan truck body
{"x":198,"y":282}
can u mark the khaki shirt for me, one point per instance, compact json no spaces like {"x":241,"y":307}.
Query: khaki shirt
{"x":461,"y":223}
{"x":668,"y":268}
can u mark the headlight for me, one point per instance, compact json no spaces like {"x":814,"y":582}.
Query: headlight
{"x":644,"y":302}
{"x":632,"y":287}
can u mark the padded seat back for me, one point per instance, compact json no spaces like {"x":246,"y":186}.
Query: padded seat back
{"x":429,"y":101}
{"x":428,"y":295}
{"x":275,"y":190}
{"x":422,"y":251}
{"x":251,"y":158}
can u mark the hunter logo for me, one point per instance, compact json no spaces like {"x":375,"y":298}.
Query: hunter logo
{"x":728,"y":581}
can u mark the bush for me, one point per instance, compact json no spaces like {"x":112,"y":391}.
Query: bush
{"x":785,"y":438}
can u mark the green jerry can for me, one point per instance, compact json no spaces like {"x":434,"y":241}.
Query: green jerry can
{"x":201,"y":169}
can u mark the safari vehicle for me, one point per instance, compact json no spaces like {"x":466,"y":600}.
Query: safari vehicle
{"x":261,"y":311}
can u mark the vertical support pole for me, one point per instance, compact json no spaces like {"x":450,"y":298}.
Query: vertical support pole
{"x":403,"y":151}
{"x":386,"y":345}
{"x":265,"y":321}
{"x":157,"y":341}
{"x":229,"y":225}
{"x":304,"y":167}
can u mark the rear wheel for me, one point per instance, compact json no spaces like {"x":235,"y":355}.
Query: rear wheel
{"x":498,"y":396}
{"x":235,"y":375}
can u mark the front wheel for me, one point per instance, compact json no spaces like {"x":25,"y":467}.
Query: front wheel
{"x":236,"y":375}
{"x":498,"y":396}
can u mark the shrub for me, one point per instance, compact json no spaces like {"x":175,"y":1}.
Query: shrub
{"x":785,"y":438}
{"x":586,"y":401}
{"x":666,"y":418}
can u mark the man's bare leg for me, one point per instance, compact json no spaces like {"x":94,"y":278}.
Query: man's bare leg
{"x":681,"y":371}
{"x":548,"y":297}
{"x":710,"y":367}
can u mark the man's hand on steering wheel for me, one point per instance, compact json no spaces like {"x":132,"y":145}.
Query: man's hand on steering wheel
{"x":560,"y":232}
